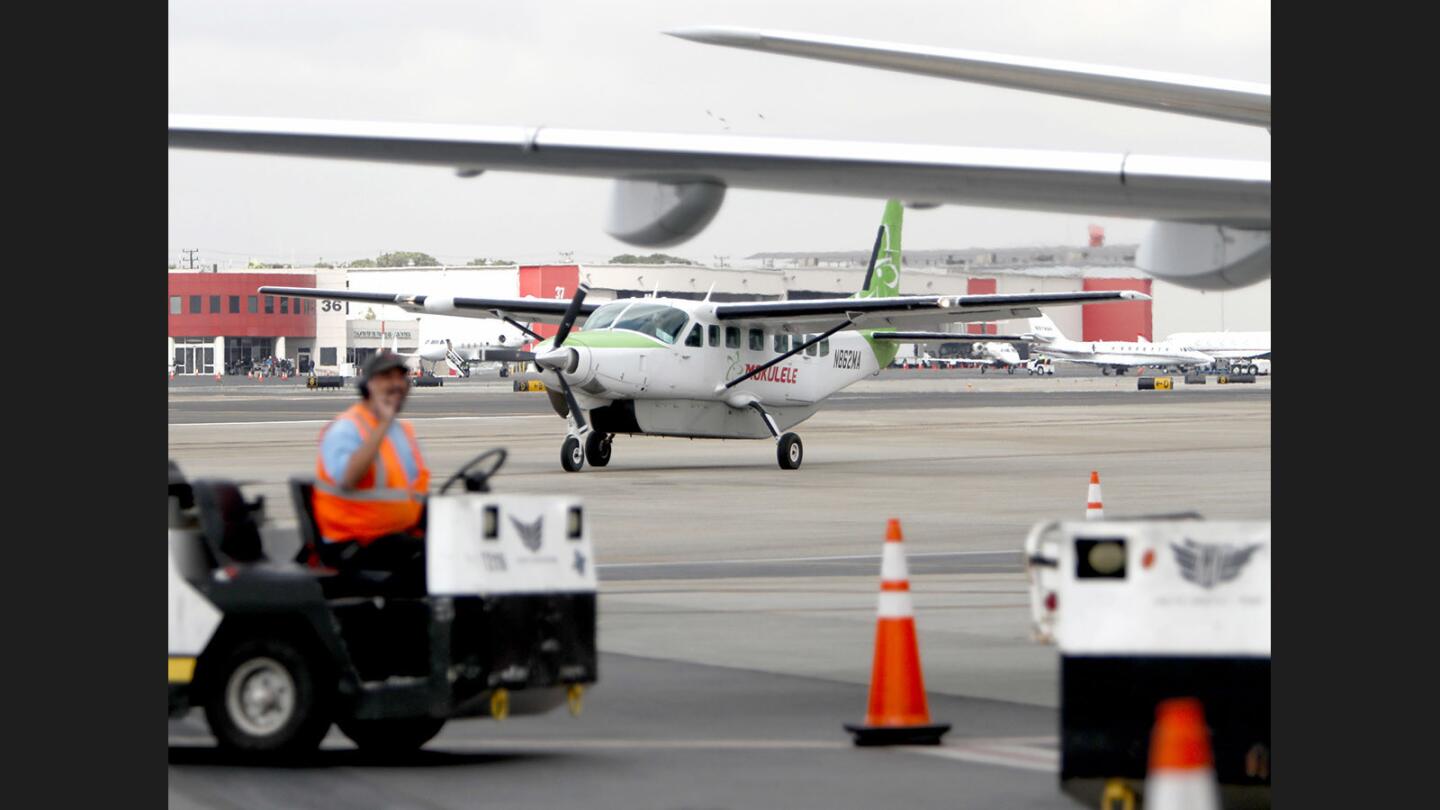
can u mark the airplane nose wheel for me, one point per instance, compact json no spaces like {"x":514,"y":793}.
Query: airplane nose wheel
{"x":572,"y":454}
{"x":790,"y":452}
{"x":597,"y":448}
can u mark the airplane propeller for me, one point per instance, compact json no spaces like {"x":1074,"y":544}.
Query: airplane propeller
{"x":562,"y":360}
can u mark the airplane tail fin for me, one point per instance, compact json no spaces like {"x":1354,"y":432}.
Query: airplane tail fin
{"x":1045,"y":330}
{"x":882,"y":279}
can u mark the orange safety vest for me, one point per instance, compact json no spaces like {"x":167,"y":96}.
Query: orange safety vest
{"x":384,"y":502}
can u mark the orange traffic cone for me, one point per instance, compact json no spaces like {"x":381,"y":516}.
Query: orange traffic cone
{"x":1182,"y":772}
{"x":1094,"y":509}
{"x":898,"y":713}
{"x":217,"y":378}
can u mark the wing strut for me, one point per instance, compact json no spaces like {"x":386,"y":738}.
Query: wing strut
{"x":522,"y":327}
{"x":800,"y":348}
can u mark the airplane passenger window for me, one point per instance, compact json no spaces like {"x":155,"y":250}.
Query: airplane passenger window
{"x":714,"y":336}
{"x":782,"y":343}
{"x":810,"y":350}
{"x":824,"y":347}
{"x":732,"y":337}
{"x":757,"y":340}
{"x":696,"y":337}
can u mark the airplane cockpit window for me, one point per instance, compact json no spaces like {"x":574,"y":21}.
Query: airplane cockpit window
{"x":606,"y":314}
{"x":656,"y":320}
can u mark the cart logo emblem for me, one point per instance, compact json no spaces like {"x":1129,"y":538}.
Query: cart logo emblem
{"x":1210,"y":564}
{"x":529,"y":532}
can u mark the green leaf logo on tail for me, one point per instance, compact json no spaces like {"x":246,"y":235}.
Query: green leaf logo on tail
{"x":883,"y":279}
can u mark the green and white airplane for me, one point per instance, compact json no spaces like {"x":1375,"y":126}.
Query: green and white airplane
{"x":706,"y":370}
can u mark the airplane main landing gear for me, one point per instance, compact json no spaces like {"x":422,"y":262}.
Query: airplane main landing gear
{"x":572,"y":454}
{"x":597,"y":448}
{"x":790,"y":451}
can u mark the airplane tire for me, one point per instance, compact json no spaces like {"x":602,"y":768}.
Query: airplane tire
{"x":790,"y":452}
{"x":597,"y":448}
{"x":1105,"y":371}
{"x":572,"y":454}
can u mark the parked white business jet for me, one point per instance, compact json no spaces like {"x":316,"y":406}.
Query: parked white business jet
{"x":1115,"y":355}
{"x":1241,"y":351}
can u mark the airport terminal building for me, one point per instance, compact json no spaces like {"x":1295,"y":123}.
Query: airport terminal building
{"x":218,"y":322}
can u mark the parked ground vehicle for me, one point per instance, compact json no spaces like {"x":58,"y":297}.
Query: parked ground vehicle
{"x":275,"y":651}
{"x":1147,"y":609}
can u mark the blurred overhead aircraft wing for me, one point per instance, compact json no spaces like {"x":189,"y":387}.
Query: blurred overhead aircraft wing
{"x":1220,"y":99}
{"x":672,"y":184}
{"x":1212,"y":228}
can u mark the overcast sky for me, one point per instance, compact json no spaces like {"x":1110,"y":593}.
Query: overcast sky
{"x":607,"y":66}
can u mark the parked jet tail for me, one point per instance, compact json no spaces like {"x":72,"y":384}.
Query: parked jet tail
{"x":1045,"y":330}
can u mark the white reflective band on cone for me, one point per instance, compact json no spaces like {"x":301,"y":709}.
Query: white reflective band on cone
{"x":892,"y":563}
{"x":1095,"y":511}
{"x":1189,"y":789}
{"x":896,"y":605}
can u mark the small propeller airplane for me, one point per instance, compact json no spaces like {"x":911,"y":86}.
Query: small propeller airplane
{"x":701,"y":369}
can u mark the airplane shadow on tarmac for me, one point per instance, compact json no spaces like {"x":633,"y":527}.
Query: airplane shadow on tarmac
{"x":207,"y":756}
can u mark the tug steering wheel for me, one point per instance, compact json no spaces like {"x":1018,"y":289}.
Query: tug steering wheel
{"x":477,"y":481}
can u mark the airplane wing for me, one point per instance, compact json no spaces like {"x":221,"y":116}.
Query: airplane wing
{"x":1218,"y":99}
{"x":944,"y":337}
{"x":694,"y":170}
{"x":543,"y":310}
{"x":908,"y":310}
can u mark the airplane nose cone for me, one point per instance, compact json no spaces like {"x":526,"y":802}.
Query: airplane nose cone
{"x":563,"y":359}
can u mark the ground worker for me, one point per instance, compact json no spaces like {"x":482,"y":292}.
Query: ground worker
{"x":371,"y":480}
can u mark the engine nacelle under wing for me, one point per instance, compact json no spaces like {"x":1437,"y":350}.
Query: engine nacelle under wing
{"x":649,"y":213}
{"x":1205,"y":257}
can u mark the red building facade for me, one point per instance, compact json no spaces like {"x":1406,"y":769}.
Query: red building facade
{"x":226,"y":305}
{"x":1123,"y":321}
{"x":548,"y":281}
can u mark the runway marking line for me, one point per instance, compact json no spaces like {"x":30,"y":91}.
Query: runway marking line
{"x":328,"y":421}
{"x":1002,"y":751}
{"x":502,"y":745}
{"x":1005,"y":752}
{"x":805,"y":559}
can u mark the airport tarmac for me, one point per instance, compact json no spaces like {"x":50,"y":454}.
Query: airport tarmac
{"x":737,"y":600}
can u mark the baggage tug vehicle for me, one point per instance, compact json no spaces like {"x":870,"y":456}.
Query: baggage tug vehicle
{"x":276,"y":651}
{"x":1146,"y":609}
